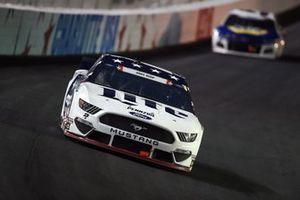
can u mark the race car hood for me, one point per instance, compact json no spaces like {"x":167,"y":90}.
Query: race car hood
{"x":139,"y":108}
{"x":247,"y":34}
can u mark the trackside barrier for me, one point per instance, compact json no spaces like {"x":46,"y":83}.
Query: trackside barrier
{"x":47,"y":32}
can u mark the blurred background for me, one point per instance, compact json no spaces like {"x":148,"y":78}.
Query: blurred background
{"x":249,"y":107}
{"x":103,"y":4}
{"x":56,"y":28}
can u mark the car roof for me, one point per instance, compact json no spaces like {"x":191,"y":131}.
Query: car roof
{"x":144,"y":67}
{"x":253,"y":14}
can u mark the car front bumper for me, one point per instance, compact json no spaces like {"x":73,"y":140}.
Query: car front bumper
{"x":224,"y":46}
{"x":177,"y":155}
{"x":126,"y":152}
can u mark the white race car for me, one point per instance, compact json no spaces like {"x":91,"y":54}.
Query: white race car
{"x":249,"y":33}
{"x":133,"y":108}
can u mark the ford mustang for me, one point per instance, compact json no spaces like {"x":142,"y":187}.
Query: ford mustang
{"x":133,"y":108}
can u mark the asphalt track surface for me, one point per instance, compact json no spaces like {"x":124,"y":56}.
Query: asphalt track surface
{"x":250,"y":109}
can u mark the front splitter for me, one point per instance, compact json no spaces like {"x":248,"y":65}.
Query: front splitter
{"x":123,"y":151}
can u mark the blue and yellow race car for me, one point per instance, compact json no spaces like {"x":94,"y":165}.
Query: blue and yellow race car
{"x":249,"y":33}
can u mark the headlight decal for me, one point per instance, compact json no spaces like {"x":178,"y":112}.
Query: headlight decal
{"x":187,"y":137}
{"x":87,"y":107}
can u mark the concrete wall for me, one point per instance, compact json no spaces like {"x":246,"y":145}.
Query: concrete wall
{"x":42,"y":33}
{"x":25,"y":32}
{"x":103,"y":4}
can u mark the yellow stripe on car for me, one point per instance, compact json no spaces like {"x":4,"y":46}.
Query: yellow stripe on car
{"x":247,"y":30}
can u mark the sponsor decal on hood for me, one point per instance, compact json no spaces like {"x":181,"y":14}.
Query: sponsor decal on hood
{"x":140,"y":113}
{"x":252,"y":34}
{"x":248,"y":30}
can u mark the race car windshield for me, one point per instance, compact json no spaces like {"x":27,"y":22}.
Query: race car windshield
{"x":172,"y":95}
{"x":234,"y":20}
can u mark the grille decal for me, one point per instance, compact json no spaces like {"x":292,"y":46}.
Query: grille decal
{"x":147,"y":130}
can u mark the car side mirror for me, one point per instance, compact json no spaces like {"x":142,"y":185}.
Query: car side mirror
{"x":83,"y":73}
